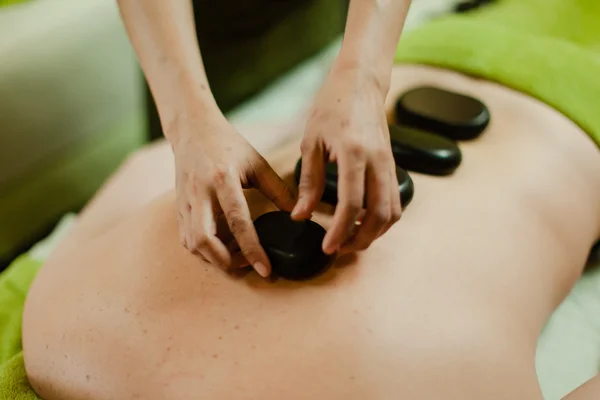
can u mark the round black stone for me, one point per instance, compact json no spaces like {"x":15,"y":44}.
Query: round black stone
{"x":406,"y":186}
{"x":294,"y":248}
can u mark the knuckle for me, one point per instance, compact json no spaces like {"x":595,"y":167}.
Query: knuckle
{"x":201,"y":240}
{"x":381,"y":216}
{"x":396,"y":212}
{"x":252,"y":252}
{"x":305,"y":146}
{"x":220,"y":173}
{"x":237,"y":223}
{"x":380,"y":153}
{"x":353,"y":206}
{"x":354,"y":148}
{"x":306,"y":183}
{"x":396,"y":215}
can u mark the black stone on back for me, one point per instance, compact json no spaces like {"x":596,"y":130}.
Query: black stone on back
{"x":424,"y":152}
{"x":294,"y":248}
{"x":446,"y":113}
{"x":406,"y":186}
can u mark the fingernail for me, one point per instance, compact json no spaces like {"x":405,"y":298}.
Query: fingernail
{"x":261,"y":269}
{"x":298,"y":208}
{"x":329,"y":251}
{"x":328,"y":248}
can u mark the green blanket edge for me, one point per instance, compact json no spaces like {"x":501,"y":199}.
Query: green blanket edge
{"x":14,"y":283}
{"x":547,"y":49}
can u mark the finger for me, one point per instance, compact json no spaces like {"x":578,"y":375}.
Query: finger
{"x":312,"y":180}
{"x":235,"y":207}
{"x":378,"y":206}
{"x":202,"y":235}
{"x":271,"y":185}
{"x":395,"y":203}
{"x":351,"y":189}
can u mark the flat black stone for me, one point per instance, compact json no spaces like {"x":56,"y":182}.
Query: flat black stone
{"x":406,"y":186}
{"x":424,"y":152}
{"x":294,"y":248}
{"x":446,"y":113}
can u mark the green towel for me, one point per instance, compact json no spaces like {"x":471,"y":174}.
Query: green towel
{"x":14,"y":283}
{"x":13,"y":380}
{"x":545,"y":48}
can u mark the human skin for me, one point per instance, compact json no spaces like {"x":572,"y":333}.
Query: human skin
{"x":588,"y":391}
{"x":213,"y":162}
{"x":449,"y":303}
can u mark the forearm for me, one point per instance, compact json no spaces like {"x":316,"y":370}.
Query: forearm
{"x":372,"y":32}
{"x":164,"y":38}
{"x":589,"y":390}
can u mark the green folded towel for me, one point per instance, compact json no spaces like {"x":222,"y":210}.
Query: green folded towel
{"x":13,"y":380}
{"x":545,"y":48}
{"x":14,"y":283}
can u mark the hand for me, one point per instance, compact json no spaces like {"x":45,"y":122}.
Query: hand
{"x":348,"y":126}
{"x":213,"y":164}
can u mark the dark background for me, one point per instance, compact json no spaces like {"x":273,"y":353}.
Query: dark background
{"x":247,"y":44}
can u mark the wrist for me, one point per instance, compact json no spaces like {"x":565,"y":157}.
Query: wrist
{"x":372,"y":71}
{"x":179,"y":90}
{"x":188,"y":115}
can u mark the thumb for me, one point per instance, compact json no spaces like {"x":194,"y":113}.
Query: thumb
{"x":312,"y":182}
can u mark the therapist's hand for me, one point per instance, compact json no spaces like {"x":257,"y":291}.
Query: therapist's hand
{"x":213,"y":164}
{"x":348,"y":126}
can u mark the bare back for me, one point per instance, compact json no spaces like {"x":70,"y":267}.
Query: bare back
{"x":448,"y":304}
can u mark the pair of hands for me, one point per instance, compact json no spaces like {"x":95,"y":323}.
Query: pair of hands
{"x":347,"y":126}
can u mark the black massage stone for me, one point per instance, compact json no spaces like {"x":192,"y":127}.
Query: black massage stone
{"x":446,"y":113}
{"x":294,"y":248}
{"x":406,"y":186}
{"x":424,"y":152}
